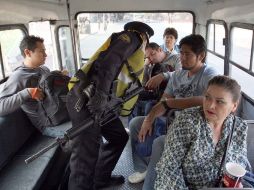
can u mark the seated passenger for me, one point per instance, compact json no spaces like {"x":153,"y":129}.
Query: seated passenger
{"x":184,"y":89}
{"x":21,"y":91}
{"x":170,"y":37}
{"x":157,"y":61}
{"x":196,"y":141}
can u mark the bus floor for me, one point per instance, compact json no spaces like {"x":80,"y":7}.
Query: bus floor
{"x":125,"y":167}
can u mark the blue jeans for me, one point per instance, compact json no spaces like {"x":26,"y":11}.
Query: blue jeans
{"x":142,"y":108}
{"x":144,"y":149}
{"x":141,"y":161}
{"x":139,"y":110}
{"x":157,"y":150}
{"x":57,"y":131}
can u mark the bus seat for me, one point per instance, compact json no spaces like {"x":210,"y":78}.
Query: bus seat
{"x":250,"y":142}
{"x":15,"y":129}
{"x":18,"y":140}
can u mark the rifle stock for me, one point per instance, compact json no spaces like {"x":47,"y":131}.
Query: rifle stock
{"x":109,"y":115}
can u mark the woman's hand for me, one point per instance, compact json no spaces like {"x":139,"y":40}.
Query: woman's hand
{"x":146,"y":128}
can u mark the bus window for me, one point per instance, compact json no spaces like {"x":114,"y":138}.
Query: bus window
{"x":43,"y":30}
{"x":216,"y":62}
{"x":64,"y":37}
{"x":241,"y":37}
{"x":216,"y":36}
{"x":95,"y":28}
{"x":12,"y":58}
{"x":241,"y":46}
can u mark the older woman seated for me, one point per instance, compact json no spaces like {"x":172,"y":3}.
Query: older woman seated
{"x":197,"y":138}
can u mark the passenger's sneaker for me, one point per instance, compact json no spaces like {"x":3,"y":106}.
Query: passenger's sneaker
{"x":137,"y":177}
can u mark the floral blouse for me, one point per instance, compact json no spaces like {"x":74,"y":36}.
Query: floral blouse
{"x":190,"y":159}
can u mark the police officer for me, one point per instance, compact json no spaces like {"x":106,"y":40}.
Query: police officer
{"x":93,"y":161}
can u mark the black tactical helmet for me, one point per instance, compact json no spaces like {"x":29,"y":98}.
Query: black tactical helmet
{"x":140,"y":27}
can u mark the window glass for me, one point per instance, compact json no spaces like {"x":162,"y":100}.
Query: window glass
{"x":219,"y":37}
{"x":210,"y":43}
{"x":245,"y":80}
{"x":216,"y":62}
{"x":95,"y":28}
{"x":219,"y":31}
{"x":241,"y":46}
{"x":42,"y":29}
{"x":10,"y":41}
{"x":66,"y":49}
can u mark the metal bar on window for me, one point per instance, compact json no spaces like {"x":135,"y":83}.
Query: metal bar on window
{"x":214,"y":37}
{"x":242,"y":68}
{"x":251,"y":53}
{"x":2,"y":63}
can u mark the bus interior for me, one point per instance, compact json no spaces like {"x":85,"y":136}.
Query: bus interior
{"x":74,"y":29}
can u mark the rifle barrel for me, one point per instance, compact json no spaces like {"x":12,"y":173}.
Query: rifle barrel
{"x":42,"y":151}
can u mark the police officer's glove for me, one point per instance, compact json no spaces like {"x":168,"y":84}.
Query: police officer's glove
{"x":98,"y":103}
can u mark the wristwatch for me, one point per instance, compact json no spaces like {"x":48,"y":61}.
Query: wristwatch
{"x":164,"y":103}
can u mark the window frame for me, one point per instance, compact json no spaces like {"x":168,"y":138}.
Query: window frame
{"x":59,"y":53}
{"x":242,"y":26}
{"x":248,"y":71}
{"x":225,"y":42}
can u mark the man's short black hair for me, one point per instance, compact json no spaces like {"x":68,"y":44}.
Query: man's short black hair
{"x":196,"y":42}
{"x":29,"y":42}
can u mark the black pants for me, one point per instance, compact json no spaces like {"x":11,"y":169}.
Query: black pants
{"x":93,"y":161}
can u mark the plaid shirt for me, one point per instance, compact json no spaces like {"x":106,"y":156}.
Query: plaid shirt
{"x":190,"y":159}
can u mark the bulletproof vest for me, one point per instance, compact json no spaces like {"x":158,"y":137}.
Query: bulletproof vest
{"x":123,"y":79}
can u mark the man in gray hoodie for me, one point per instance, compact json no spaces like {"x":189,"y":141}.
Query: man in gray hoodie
{"x":20,"y":90}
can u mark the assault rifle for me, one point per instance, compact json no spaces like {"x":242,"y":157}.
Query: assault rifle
{"x":109,"y":114}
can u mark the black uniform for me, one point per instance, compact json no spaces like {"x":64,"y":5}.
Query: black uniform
{"x":93,"y":161}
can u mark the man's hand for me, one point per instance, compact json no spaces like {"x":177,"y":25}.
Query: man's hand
{"x":145,"y":128}
{"x":98,"y":102}
{"x":36,"y":93}
{"x":155,"y":81}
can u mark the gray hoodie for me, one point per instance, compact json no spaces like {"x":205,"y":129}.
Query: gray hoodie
{"x":15,"y":94}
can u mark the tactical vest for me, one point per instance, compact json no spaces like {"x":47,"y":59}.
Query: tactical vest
{"x":124,"y":79}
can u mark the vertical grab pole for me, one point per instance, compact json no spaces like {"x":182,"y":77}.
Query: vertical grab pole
{"x":2,"y":62}
{"x":73,"y":41}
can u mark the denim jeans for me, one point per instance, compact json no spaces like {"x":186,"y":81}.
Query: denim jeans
{"x":140,"y":160}
{"x":57,"y":131}
{"x":144,"y":149}
{"x":142,"y":108}
{"x":157,"y":150}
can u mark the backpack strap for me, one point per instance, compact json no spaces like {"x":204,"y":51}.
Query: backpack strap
{"x":133,"y":74}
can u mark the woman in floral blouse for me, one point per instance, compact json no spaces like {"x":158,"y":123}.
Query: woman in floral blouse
{"x":197,"y":138}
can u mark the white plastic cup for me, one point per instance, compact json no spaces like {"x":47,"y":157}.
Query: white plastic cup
{"x":233,"y":174}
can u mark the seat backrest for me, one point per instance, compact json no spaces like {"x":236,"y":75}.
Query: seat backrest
{"x":250,"y":142}
{"x":15,"y":129}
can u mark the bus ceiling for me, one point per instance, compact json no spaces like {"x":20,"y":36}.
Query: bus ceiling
{"x":24,"y":11}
